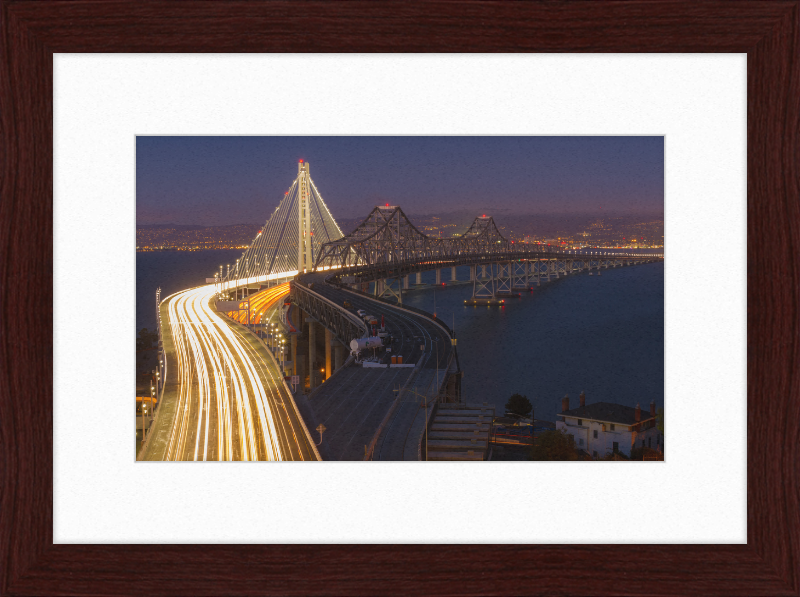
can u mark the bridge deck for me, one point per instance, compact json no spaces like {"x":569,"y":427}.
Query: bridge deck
{"x":353,"y":403}
{"x":400,"y":439}
{"x":293,"y":441}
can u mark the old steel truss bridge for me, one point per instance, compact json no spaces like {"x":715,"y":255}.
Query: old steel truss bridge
{"x":386,"y":248}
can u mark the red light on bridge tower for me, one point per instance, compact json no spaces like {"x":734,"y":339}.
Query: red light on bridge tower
{"x":301,"y":161}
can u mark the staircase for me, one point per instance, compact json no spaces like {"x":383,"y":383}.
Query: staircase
{"x":460,"y":432}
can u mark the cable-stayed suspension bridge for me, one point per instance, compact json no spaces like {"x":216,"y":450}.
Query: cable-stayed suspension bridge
{"x":231,"y":348}
{"x":285,"y":246}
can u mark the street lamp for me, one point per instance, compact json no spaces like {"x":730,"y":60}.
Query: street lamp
{"x":436,"y":339}
{"x":144,"y":413}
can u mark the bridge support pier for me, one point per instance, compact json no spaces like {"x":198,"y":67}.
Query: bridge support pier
{"x":520,"y":275}
{"x":503,"y":277}
{"x":312,"y":351}
{"x":293,"y":340}
{"x":338,"y":354}
{"x":419,"y":277}
{"x":390,"y":287}
{"x":405,"y":283}
{"x":453,"y":274}
{"x":328,"y":342}
{"x":472,"y":272}
{"x":438,"y":277}
{"x":484,"y":287}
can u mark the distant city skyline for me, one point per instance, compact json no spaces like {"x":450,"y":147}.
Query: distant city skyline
{"x":213,"y":181}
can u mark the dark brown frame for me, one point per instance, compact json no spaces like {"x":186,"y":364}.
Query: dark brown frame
{"x":768,"y":31}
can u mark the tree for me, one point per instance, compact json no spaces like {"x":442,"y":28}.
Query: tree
{"x":637,"y":453}
{"x":519,"y":405}
{"x":553,"y":445}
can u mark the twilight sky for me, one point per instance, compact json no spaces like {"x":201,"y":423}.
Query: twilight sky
{"x":240,"y":180}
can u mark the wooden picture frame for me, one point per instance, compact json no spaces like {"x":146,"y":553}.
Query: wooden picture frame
{"x":768,"y":31}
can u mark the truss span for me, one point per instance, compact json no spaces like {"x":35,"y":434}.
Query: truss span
{"x":386,"y":244}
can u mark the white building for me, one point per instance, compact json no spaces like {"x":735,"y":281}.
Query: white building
{"x":605,"y":427}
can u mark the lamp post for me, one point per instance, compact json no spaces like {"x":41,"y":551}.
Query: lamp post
{"x":144,"y":413}
{"x":426,"y":427}
{"x":436,"y":339}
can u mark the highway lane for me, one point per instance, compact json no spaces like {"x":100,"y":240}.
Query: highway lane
{"x":232,"y":403}
{"x":353,"y":404}
{"x":409,"y":330}
{"x":260,"y":304}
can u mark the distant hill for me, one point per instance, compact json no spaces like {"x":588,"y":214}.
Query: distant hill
{"x":151,"y":237}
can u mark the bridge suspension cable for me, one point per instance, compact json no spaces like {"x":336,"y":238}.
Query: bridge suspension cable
{"x":292,"y":234}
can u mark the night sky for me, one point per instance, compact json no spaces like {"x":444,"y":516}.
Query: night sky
{"x":240,"y":180}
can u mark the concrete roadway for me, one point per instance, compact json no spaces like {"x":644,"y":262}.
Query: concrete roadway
{"x":355,"y":400}
{"x":224,"y":397}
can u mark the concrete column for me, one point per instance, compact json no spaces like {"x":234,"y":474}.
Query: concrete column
{"x":312,"y":352}
{"x":293,"y":340}
{"x":472,"y":272}
{"x":483,"y":271}
{"x":405,"y":283}
{"x":438,"y":277}
{"x":338,"y":355}
{"x":453,"y":274}
{"x":328,"y":338}
{"x":419,"y":277}
{"x":379,"y":287}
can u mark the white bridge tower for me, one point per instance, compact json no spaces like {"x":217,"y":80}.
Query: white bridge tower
{"x":294,"y":232}
{"x":305,"y":257}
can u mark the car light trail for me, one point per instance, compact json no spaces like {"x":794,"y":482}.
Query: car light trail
{"x":228,"y":399}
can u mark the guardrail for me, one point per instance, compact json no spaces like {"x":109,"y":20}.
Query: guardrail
{"x":369,"y":452}
{"x":160,"y":381}
{"x":286,"y":387}
{"x":422,"y":450}
{"x":344,"y":324}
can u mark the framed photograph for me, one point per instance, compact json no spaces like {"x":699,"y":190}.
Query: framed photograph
{"x":85,"y":86}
